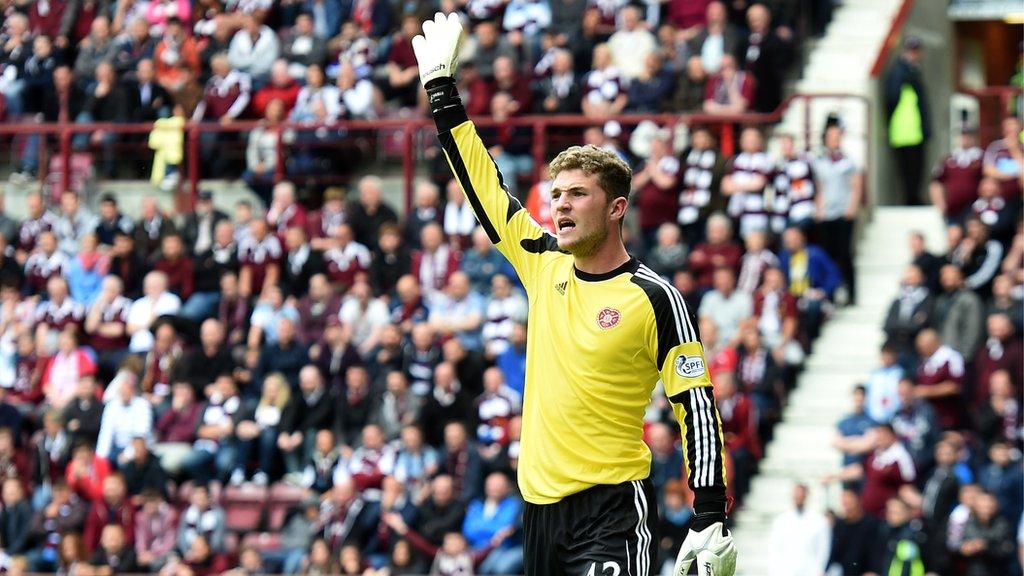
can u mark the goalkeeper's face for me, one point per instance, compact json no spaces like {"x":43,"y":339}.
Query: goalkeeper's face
{"x":585,"y":218}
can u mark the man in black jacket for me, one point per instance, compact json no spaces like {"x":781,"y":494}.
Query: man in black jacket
{"x":854,"y":537}
{"x":202,"y":365}
{"x":15,"y":519}
{"x":143,"y":471}
{"x":146,"y":99}
{"x":83,"y":413}
{"x":105,"y":101}
{"x":311,"y":410}
{"x":199,"y":227}
{"x":767,"y":56}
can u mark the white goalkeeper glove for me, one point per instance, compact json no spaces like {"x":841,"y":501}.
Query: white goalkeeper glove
{"x":437,"y":49}
{"x":712,"y":550}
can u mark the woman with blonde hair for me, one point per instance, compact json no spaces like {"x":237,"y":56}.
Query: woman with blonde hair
{"x":261,"y":430}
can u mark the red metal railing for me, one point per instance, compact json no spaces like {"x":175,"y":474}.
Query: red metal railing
{"x":540,"y":125}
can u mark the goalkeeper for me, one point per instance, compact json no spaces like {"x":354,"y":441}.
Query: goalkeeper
{"x":603,"y":329}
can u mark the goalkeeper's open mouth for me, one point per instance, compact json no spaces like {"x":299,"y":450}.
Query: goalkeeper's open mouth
{"x":565,"y":224}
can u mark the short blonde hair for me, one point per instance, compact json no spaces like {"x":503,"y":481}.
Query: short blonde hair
{"x":613,"y":175}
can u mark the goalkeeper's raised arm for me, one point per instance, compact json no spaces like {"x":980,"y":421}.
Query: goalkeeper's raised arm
{"x":503,"y":218}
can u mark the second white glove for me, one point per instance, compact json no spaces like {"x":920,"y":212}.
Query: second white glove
{"x":437,"y":49}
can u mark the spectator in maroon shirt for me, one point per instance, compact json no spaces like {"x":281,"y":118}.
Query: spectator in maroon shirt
{"x":280,"y":87}
{"x":687,"y":15}
{"x":127,"y":264}
{"x":112,"y":508}
{"x":106,"y":325}
{"x":1002,"y":350}
{"x":321,"y":223}
{"x":177,"y":265}
{"x":435,"y":263}
{"x":347,"y":260}
{"x":719,"y":250}
{"x":1004,"y":159}
{"x":151,"y":229}
{"x":56,"y":314}
{"x":1000,"y":417}
{"x":176,"y":428}
{"x":285,"y":211}
{"x":739,"y":425}
{"x":940,"y":378}
{"x":39,"y":220}
{"x":656,"y":187}
{"x":887,"y":469}
{"x":316,"y":308}
{"x":402,"y":80}
{"x":731,"y":91}
{"x":44,"y":263}
{"x":957,"y":176}
{"x":259,"y":255}
{"x":233,"y":310}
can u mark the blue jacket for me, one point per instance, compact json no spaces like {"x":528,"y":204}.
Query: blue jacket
{"x":479,"y":529}
{"x":823,"y":271}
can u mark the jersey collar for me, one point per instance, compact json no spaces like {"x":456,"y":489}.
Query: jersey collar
{"x":630,"y":265}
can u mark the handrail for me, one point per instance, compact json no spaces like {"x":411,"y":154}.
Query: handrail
{"x":895,"y":28}
{"x":539,"y":124}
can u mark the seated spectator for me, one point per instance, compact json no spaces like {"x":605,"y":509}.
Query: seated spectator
{"x":800,"y":537}
{"x":505,"y":307}
{"x":280,"y":86}
{"x":151,"y":229}
{"x":739,"y":424}
{"x":261,"y":431}
{"x":731,"y":90}
{"x":756,"y":260}
{"x":999,"y":417}
{"x":993,"y":211}
{"x":65,"y":369}
{"x":668,"y":253}
{"x":99,"y":46}
{"x":900,"y":531}
{"x":73,"y":224}
{"x":16,"y":516}
{"x":435,"y":262}
{"x":494,"y":518}
{"x":559,"y":91}
{"x":762,"y":376}
{"x":718,"y":251}
{"x":391,"y":260}
{"x":259,"y":255}
{"x":154,"y":382}
{"x":64,"y":514}
{"x":416,"y":462}
{"x":882,"y":386}
{"x":459,"y":312}
{"x":1004,"y":159}
{"x":312,"y":409}
{"x":717,"y":39}
{"x":460,"y":459}
{"x":156,"y":301}
{"x":691,"y":86}
{"x":105,"y":101}
{"x":854,"y":537}
{"x":768,"y":53}
{"x":127,"y":264}
{"x":726,"y":306}
{"x":296,"y":538}
{"x":656,"y":187}
{"x":631,"y":44}
{"x":175,"y":428}
{"x":910,"y":312}
{"x":83,"y":414}
{"x":125,"y":418}
{"x":284,"y":354}
{"x":940,"y":378}
{"x":254,"y":49}
{"x":458,"y":221}
{"x":318,"y":474}
{"x":177,"y":265}
{"x":604,"y":90}
{"x":347,"y":260}
{"x":345,"y":518}
{"x":957,"y":176}
{"x":402,"y":80}
{"x":304,"y":46}
{"x":978,"y":256}
{"x":176,"y":56}
{"x":958,"y":313}
{"x":988,"y":539}
{"x":322,"y":222}
{"x":674,"y":523}
{"x":886,"y":470}
{"x":317,"y":90}
{"x":409,"y":308}
{"x":398,"y":407}
{"x":111,"y":508}
{"x":493,"y":410}
{"x":365,"y":316}
{"x":1000,"y":351}
{"x":916,"y":424}
{"x":142,"y":471}
{"x":1002,"y":478}
{"x":262,"y":150}
{"x":488,"y":45}
{"x":813,"y":278}
{"x":334,"y":353}
{"x":202,"y":519}
{"x":87,"y":270}
{"x":358,"y":95}
{"x":215,"y":452}
{"x":155,"y":531}
{"x":44,"y":263}
{"x":285,"y":211}
{"x":114,"y":554}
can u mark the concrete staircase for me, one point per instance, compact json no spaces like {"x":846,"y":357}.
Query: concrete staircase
{"x":843,"y":356}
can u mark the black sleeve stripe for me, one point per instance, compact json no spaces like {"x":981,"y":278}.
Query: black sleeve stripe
{"x":686,"y":316}
{"x":718,"y":466}
{"x":669,"y":334}
{"x":459,"y":167}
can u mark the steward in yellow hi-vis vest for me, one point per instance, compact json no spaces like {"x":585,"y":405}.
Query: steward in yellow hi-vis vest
{"x":603,"y":330}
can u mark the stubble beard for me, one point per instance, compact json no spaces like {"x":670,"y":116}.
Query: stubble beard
{"x":587,"y":245}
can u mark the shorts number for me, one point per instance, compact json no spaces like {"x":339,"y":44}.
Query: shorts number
{"x":610,"y":565}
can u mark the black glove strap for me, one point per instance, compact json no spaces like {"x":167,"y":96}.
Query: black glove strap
{"x":445,"y":104}
{"x":709,"y":506}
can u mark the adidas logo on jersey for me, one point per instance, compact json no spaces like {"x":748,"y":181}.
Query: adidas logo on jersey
{"x":560,"y":287}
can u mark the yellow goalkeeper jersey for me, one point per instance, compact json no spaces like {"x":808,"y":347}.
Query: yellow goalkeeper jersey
{"x":596,"y":347}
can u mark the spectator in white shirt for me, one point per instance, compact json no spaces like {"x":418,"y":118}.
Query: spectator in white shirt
{"x":364,"y":316}
{"x":459,"y":312}
{"x":800,"y":540}
{"x":631,"y":44}
{"x":726,"y":306}
{"x":156,"y":301}
{"x":126,"y":417}
{"x":254,"y":49}
{"x":505,"y":308}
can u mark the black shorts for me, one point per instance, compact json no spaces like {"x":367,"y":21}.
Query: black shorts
{"x":606,"y":530}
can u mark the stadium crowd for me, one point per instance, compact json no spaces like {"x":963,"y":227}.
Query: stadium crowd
{"x":933,"y":479}
{"x":317,"y":61}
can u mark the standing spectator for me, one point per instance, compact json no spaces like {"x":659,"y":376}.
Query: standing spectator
{"x":956,"y":178}
{"x":958,"y":313}
{"x":155,"y":530}
{"x":882,"y":400}
{"x":839,"y":202}
{"x":796,"y":192}
{"x":254,"y":49}
{"x":886,"y":470}
{"x":916,"y":424}
{"x":813,"y":278}
{"x":988,"y":539}
{"x":745,"y":183}
{"x":854,"y":538}
{"x":604,"y":89}
{"x":853,"y":431}
{"x":940,"y":377}
{"x":368,"y":213}
{"x":716,"y":39}
{"x":701,"y":169}
{"x":1003,"y":478}
{"x":656,"y":186}
{"x":768,"y":54}
{"x":202,"y":519}
{"x":906,"y":106}
{"x":731,"y":90}
{"x":1004,"y":159}
{"x":910,"y":312}
{"x":631,"y":43}
{"x":799,"y":539}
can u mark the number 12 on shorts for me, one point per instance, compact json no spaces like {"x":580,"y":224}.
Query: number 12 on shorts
{"x":609,"y":568}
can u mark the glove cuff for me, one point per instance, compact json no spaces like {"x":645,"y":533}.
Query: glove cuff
{"x":444,"y":102}
{"x":709,"y":506}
